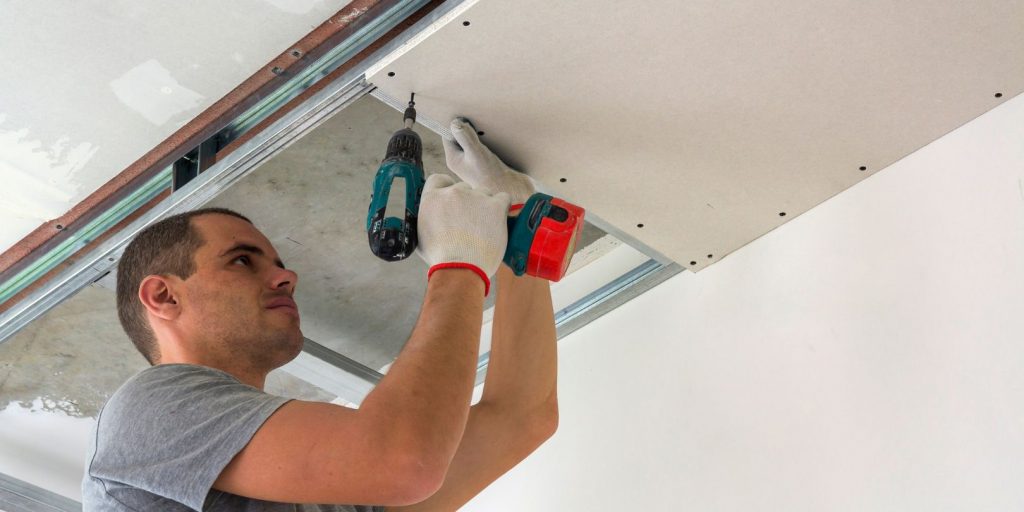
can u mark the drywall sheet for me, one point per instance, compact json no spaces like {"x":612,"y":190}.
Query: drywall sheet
{"x":698,"y":126}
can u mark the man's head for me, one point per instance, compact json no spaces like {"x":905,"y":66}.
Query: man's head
{"x":206,"y":286}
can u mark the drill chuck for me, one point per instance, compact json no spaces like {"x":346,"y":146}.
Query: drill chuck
{"x":405,"y":145}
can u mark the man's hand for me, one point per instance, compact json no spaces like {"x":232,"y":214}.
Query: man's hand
{"x":462,"y":227}
{"x":472,"y":161}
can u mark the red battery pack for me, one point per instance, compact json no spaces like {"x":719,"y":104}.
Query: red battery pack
{"x":555,"y":241}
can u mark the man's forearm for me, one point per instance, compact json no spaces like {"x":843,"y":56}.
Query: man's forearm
{"x":522,"y":372}
{"x":426,"y":393}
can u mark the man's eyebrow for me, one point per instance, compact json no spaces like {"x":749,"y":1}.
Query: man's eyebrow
{"x":243,"y":247}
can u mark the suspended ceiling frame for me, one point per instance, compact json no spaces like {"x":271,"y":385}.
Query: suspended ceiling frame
{"x":269,"y":137}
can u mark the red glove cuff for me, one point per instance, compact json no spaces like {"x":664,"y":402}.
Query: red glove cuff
{"x":514,"y":209}
{"x":469,"y":266}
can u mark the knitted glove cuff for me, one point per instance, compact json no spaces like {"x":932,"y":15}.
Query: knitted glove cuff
{"x":469,"y":266}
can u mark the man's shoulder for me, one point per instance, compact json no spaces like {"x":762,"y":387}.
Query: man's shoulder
{"x":167,"y":432}
{"x":166,"y":396}
{"x":156,"y":384}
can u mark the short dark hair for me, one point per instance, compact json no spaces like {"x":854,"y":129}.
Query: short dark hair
{"x":167,"y":247}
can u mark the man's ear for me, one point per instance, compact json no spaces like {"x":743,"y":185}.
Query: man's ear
{"x":159,"y":298}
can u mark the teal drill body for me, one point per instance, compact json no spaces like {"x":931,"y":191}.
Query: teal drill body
{"x":394,"y":238}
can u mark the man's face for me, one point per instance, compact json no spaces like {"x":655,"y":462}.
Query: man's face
{"x":237,"y":305}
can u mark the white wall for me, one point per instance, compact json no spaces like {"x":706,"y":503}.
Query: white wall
{"x":868,"y":355}
{"x":44,"y":448}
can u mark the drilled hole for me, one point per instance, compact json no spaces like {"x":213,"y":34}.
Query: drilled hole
{"x":639,"y":225}
{"x":563,"y":180}
{"x":782,"y":214}
{"x":693,"y":263}
{"x":711,"y":256}
{"x":999,"y":95}
{"x":465,"y":23}
{"x":391,"y":73}
{"x":863,"y":168}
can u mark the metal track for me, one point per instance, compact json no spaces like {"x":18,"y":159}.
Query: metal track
{"x":18,"y":496}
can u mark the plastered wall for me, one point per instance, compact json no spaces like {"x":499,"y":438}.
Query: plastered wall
{"x":867,"y":355}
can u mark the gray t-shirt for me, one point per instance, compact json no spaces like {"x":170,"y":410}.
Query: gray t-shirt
{"x":166,"y":434}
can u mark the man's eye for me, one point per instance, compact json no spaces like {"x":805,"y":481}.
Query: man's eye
{"x":244,"y":259}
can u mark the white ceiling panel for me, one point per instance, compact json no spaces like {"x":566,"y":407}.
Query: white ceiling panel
{"x":710,"y":123}
{"x":90,"y":86}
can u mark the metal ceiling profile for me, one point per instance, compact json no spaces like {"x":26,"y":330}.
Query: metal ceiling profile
{"x":16,"y":496}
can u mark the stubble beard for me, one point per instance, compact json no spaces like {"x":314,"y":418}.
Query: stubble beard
{"x":253,"y":343}
{"x":268,"y":347}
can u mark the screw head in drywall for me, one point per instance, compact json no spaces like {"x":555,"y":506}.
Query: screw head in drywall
{"x":59,"y":226}
{"x":640,"y":225}
{"x":296,"y":53}
{"x":782,"y":214}
{"x":711,"y":256}
{"x":391,"y":73}
{"x":693,"y":263}
{"x":863,"y":168}
{"x":563,"y":180}
{"x":999,"y":95}
{"x":465,"y":23}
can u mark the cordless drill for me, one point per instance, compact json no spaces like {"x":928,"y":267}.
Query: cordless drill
{"x":392,"y":238}
{"x":541,"y":239}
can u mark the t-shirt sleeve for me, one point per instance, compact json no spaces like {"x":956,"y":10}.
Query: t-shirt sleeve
{"x":172,"y":429}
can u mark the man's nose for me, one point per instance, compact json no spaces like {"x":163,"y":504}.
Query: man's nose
{"x":284,"y":278}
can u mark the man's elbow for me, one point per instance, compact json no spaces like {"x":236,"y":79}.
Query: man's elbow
{"x":544,"y":422}
{"x":417,"y":477}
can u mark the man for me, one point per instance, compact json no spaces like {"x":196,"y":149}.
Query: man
{"x":205,"y":298}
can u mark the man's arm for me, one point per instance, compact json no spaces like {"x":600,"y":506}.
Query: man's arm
{"x":519,"y":407}
{"x":396,"y":447}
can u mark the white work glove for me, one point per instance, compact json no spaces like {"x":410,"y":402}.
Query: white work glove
{"x":472,"y":161}
{"x":462,"y":227}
